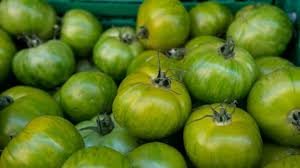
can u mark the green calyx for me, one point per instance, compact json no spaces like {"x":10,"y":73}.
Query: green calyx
{"x":227,"y":50}
{"x":143,"y":32}
{"x":126,"y":38}
{"x":176,"y":53}
{"x":221,"y":117}
{"x":294,"y":118}
{"x":104,"y":125}
{"x":31,"y":40}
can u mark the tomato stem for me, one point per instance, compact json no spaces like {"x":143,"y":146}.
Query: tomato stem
{"x":176,"y":53}
{"x":143,"y":32}
{"x":126,"y":38}
{"x":32,"y":40}
{"x":227,"y":50}
{"x":161,"y":80}
{"x":105,"y":124}
{"x":5,"y":101}
{"x":295,"y":118}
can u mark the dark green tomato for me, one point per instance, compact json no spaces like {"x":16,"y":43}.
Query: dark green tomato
{"x":273,"y":153}
{"x":149,"y":58}
{"x":85,"y":65}
{"x":100,"y":157}
{"x":218,"y":72}
{"x":87,"y":94}
{"x":268,"y":65}
{"x":47,"y":141}
{"x":156,"y":155}
{"x":274,"y":103}
{"x":162,"y":24}
{"x":288,"y":162}
{"x":7,"y":51}
{"x":104,"y":131}
{"x":27,"y":104}
{"x":30,"y":17}
{"x":222,"y":136}
{"x":46,"y":66}
{"x":115,"y":50}
{"x":261,"y":29}
{"x":151,"y":106}
{"x":202,"y":40}
{"x":81,"y":30}
{"x":210,"y":18}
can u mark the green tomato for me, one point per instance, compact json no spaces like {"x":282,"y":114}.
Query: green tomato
{"x":100,"y":157}
{"x":30,"y":17}
{"x":114,"y":51}
{"x":270,"y":64}
{"x":273,"y":153}
{"x":156,"y":155}
{"x":217,"y":72}
{"x":162,"y":25}
{"x":57,"y":97}
{"x":274,"y":103}
{"x":288,"y":162}
{"x":47,"y":141}
{"x":104,"y":131}
{"x":151,"y":105}
{"x":202,"y":40}
{"x":149,"y":58}
{"x":26,"y":104}
{"x":87,"y":94}
{"x":210,"y":18}
{"x":221,"y":135}
{"x":7,"y":51}
{"x":85,"y":65}
{"x":46,"y":66}
{"x":261,"y":29}
{"x":81,"y":30}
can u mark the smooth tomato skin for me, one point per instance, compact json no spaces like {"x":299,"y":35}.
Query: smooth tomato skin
{"x":270,"y":64}
{"x":45,"y":66}
{"x":118,"y":139}
{"x":202,"y":40}
{"x":112,"y":54}
{"x":30,"y":17}
{"x":148,"y":111}
{"x":28,"y":104}
{"x":149,"y":58}
{"x":210,"y":18}
{"x":80,"y":30}
{"x":167,"y":23}
{"x":7,"y":51}
{"x":210,"y":77}
{"x":261,"y":29}
{"x":97,"y":157}
{"x":47,"y":141}
{"x":210,"y":145}
{"x":288,"y":162}
{"x":272,"y":152}
{"x":156,"y":155}
{"x":87,"y":94}
{"x":271,"y":102}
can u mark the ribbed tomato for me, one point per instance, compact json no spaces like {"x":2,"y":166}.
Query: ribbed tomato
{"x":262,"y":29}
{"x":217,"y":72}
{"x":162,"y":24}
{"x":274,"y":103}
{"x":222,"y":135}
{"x":47,"y":141}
